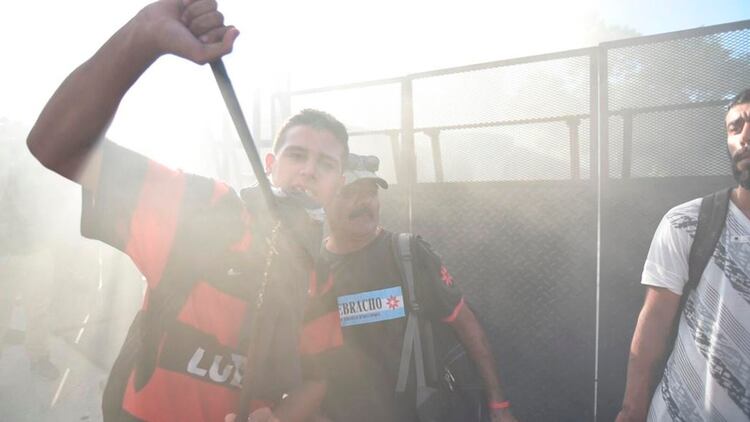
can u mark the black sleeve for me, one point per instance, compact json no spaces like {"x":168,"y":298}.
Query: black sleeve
{"x":148,"y":210}
{"x":106,"y":214}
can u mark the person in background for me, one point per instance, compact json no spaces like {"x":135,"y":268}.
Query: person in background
{"x":358,"y":347}
{"x":707,"y":373}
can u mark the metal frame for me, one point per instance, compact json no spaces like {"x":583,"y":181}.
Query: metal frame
{"x":404,"y":154}
{"x":402,"y":139}
{"x":677,"y":35}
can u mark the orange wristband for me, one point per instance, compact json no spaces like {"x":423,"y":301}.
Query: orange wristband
{"x":498,"y":405}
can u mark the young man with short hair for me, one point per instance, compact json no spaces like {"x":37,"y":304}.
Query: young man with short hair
{"x":203,"y":249}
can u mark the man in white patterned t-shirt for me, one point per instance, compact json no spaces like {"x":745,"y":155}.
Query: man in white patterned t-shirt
{"x":707,"y":374}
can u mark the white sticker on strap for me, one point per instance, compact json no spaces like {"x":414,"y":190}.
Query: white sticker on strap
{"x":369,"y":307}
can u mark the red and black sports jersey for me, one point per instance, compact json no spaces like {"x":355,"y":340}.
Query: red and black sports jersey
{"x":190,"y":234}
{"x":355,"y":324}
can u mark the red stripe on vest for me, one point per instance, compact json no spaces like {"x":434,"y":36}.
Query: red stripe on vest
{"x":154,"y":220}
{"x":220,"y":189}
{"x":220,"y":314}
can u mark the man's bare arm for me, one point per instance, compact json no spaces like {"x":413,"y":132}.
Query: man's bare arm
{"x":472,"y":336}
{"x":647,"y":350}
{"x":66,"y":133}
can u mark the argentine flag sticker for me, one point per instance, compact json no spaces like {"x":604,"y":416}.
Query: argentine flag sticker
{"x":369,"y":307}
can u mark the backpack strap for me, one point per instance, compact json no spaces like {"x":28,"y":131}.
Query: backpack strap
{"x":428,"y":401}
{"x":412,"y":341}
{"x":404,"y":258}
{"x":711,"y":221}
{"x":412,"y":336}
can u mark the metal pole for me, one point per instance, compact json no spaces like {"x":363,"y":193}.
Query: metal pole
{"x":437,"y":155}
{"x":253,"y":353}
{"x":408,"y":159}
{"x":575,"y":150}
{"x":235,"y":111}
{"x":627,"y":144}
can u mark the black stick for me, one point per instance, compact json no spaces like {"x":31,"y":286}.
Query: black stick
{"x":233,"y":105}
{"x":254,"y":352}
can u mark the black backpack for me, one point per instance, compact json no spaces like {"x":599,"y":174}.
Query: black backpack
{"x":711,"y":220}
{"x":448,"y":385}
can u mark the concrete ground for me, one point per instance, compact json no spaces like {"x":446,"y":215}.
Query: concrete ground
{"x":90,"y":316}
{"x":74,"y":396}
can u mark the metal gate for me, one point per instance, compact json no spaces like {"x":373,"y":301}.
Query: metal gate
{"x":540,"y":181}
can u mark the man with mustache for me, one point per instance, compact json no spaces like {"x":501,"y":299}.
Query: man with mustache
{"x":707,"y":374}
{"x":357,"y":320}
{"x":205,"y":251}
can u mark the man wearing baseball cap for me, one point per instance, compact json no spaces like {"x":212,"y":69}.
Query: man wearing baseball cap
{"x":356,"y":324}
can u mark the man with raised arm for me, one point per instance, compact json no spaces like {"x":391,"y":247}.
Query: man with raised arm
{"x":204,"y":250}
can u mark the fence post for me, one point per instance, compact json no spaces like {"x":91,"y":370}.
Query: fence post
{"x":598,"y":170}
{"x":437,"y":155}
{"x":603,"y":113}
{"x":627,"y":143}
{"x":408,"y":157}
{"x":575,"y":150}
{"x":396,"y":152}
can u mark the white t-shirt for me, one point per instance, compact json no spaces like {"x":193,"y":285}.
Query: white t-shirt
{"x":707,"y":376}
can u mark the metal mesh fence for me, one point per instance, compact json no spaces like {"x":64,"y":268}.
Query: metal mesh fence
{"x":506,"y":158}
{"x":529,"y":272}
{"x":665,"y":103}
{"x":686,"y":142}
{"x":424,"y":150}
{"x":538,"y":151}
{"x":538,"y":89}
{"x":381,"y":146}
{"x":678,"y":71}
{"x":683,"y":143}
{"x":365,"y":108}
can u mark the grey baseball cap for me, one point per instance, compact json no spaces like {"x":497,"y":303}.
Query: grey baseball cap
{"x":360,"y":167}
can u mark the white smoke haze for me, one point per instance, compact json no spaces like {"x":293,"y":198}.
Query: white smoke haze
{"x":287,"y":44}
{"x":175,"y":115}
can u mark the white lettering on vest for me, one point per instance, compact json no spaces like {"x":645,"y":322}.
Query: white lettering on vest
{"x":239,"y":363}
{"x":193,"y":367}
{"x":214,"y":372}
